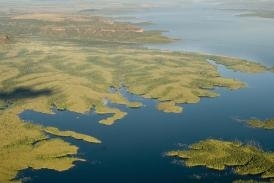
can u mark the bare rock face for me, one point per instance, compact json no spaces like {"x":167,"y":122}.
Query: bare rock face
{"x":4,"y":39}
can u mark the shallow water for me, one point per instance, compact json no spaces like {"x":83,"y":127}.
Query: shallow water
{"x":132,"y":149}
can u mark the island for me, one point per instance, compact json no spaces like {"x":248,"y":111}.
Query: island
{"x":215,"y":154}
{"x":264,"y":124}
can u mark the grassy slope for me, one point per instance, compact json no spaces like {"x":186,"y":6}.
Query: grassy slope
{"x":78,"y":78}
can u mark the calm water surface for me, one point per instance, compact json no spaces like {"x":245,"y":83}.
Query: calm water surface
{"x":203,"y":28}
{"x":132,"y":149}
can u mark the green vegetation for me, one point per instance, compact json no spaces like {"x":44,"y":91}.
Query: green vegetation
{"x":238,"y":65}
{"x":169,"y":106}
{"x":252,"y":181}
{"x":79,"y":136}
{"x":217,"y":155}
{"x":70,"y":62}
{"x":24,"y":145}
{"x":256,"y":123}
{"x":83,"y":29}
{"x":3,"y":105}
{"x":78,"y":78}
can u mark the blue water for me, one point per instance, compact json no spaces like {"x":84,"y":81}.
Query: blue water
{"x":132,"y":149}
{"x":202,"y":27}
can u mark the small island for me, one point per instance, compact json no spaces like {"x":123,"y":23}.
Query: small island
{"x":218,"y":155}
{"x":264,"y":124}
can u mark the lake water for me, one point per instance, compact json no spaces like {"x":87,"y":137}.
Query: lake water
{"x":205,"y":28}
{"x":132,"y":149}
